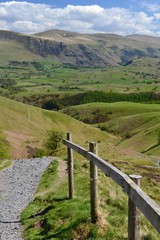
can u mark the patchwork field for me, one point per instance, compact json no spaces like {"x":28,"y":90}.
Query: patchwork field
{"x":26,"y":78}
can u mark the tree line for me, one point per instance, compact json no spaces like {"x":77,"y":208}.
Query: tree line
{"x":100,"y":96}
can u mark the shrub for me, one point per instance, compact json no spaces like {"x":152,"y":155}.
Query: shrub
{"x":40,"y":153}
{"x":53,"y":141}
{"x":126,"y":135}
{"x":103,"y":127}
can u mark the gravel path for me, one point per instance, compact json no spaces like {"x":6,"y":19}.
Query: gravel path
{"x":17,"y":187}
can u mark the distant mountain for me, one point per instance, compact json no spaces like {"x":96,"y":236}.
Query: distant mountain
{"x":77,"y":49}
{"x":145,"y":39}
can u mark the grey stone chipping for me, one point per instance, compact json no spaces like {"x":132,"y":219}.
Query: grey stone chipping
{"x":18,"y":184}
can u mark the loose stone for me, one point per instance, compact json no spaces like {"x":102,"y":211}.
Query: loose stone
{"x":18,"y":184}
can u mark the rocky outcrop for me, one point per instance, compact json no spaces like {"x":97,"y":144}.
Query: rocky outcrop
{"x":99,"y":50}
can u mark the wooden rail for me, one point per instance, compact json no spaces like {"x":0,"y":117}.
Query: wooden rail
{"x":137,"y":198}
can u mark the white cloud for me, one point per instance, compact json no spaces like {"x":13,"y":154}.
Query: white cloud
{"x":152,"y":7}
{"x":157,"y":16}
{"x":30,"y":18}
{"x":3,"y":25}
{"x":19,"y":26}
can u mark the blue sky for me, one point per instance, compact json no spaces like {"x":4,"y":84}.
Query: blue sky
{"x":112,"y":16}
{"x":103,"y":3}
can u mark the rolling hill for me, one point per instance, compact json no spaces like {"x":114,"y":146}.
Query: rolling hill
{"x":137,"y":124}
{"x":77,"y":49}
{"x":25,"y":127}
{"x":65,"y":218}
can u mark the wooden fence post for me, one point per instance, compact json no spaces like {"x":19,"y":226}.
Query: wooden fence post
{"x":93,"y":185}
{"x":134,"y":214}
{"x":70,"y":169}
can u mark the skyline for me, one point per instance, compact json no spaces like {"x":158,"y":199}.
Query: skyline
{"x":119,"y":17}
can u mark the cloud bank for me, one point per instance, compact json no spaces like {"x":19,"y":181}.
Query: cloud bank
{"x":31,"y":18}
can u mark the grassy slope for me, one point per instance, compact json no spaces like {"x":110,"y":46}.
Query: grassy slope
{"x":138,"y":124}
{"x":63,"y":219}
{"x":53,"y":216}
{"x":26,"y":125}
{"x":11,"y":51}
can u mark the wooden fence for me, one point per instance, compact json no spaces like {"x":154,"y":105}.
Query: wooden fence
{"x":138,"y":200}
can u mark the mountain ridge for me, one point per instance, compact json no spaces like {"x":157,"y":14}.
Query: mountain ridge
{"x":96,"y":50}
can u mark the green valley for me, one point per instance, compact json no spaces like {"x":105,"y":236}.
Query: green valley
{"x":99,"y":87}
{"x":137,"y":124}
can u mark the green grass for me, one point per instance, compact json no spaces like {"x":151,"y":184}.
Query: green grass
{"x":52,"y":77}
{"x":25,"y":127}
{"x":53,"y":216}
{"x":10,"y":50}
{"x":137,"y":124}
{"x":5,"y":163}
{"x":4,"y":151}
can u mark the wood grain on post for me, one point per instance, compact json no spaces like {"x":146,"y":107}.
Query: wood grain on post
{"x":93,"y":185}
{"x":134,"y":214}
{"x":70,"y":169}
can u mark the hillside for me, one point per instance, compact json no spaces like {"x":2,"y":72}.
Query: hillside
{"x":52,"y":215}
{"x":76,"y":49}
{"x":25,"y":127}
{"x":137,"y":124}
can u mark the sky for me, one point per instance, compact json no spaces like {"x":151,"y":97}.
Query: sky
{"x":123,"y":17}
